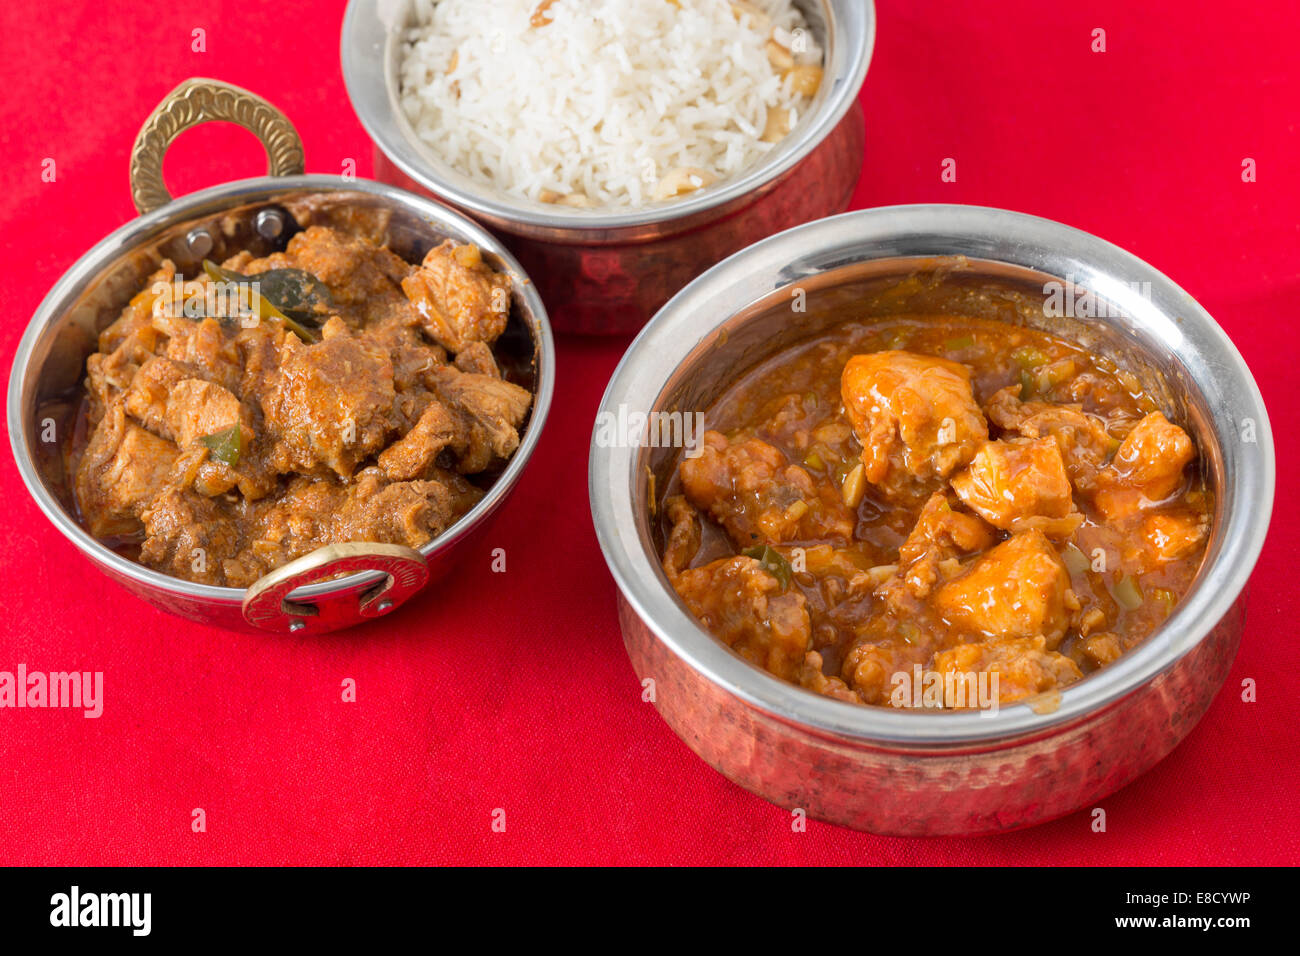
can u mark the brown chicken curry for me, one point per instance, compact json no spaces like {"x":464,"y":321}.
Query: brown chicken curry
{"x":935,"y":495}
{"x":350,"y":396}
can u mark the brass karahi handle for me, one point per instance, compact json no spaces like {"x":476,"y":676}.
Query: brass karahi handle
{"x":199,"y":100}
{"x":267,"y":605}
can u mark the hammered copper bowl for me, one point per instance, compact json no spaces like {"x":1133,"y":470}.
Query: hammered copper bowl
{"x":927,"y":773}
{"x":332,"y":587}
{"x":609,"y":271}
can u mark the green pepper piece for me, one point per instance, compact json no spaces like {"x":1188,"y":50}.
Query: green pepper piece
{"x":1027,"y":385}
{"x":226,"y":445}
{"x":1028,"y":357}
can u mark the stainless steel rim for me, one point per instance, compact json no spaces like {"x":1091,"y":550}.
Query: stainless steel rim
{"x":226,"y":195}
{"x":929,"y":230}
{"x":368,"y":33}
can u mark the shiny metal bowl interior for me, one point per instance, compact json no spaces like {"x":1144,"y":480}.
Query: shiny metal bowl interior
{"x":913,"y":259}
{"x":371,"y":52}
{"x":50,"y":362}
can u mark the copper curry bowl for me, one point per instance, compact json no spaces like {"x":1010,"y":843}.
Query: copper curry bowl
{"x":933,"y":772}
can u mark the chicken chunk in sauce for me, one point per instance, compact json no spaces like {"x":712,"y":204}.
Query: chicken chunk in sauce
{"x":935,"y":495}
{"x":755,"y":492}
{"x":1020,"y":484}
{"x":459,"y":298}
{"x":1147,"y":468}
{"x":217,"y":449}
{"x":1015,"y":589}
{"x":915,"y":417}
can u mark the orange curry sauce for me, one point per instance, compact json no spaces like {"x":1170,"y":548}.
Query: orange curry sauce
{"x":935,"y":495}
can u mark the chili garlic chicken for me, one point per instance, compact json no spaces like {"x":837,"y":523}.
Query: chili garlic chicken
{"x":956,"y":495}
{"x":356,"y":399}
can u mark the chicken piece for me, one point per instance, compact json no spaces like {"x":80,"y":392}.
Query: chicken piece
{"x":204,"y":346}
{"x":943,"y":532}
{"x":107,"y":378}
{"x":758,"y":496}
{"x":198,"y":408}
{"x":179,"y":408}
{"x":189,"y":535}
{"x":941,"y":535}
{"x":1015,"y":669}
{"x":147,"y":394}
{"x":413,"y":357}
{"x":259,"y":349}
{"x":477,"y":358}
{"x":167,"y":401}
{"x":313,"y":512}
{"x":869,"y":670}
{"x":1168,"y":536}
{"x":1147,"y":468}
{"x":306,"y":515}
{"x":415,"y":362}
{"x":1082,"y":438}
{"x":875,"y":669}
{"x":330,"y":405}
{"x":184,"y":410}
{"x":412,"y":513}
{"x":123,"y":468}
{"x":214,"y":478}
{"x":491,"y":411}
{"x":124,"y":346}
{"x":459,"y":297}
{"x":352,"y":265}
{"x":684,"y":538}
{"x":1018,"y":589}
{"x":1018,"y":485}
{"x":747,"y":609}
{"x":415,"y":452}
{"x":916,"y":418}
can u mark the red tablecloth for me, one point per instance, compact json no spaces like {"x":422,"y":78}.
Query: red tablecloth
{"x":513,"y":691}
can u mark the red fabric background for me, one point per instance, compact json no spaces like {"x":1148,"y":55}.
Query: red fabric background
{"x":470,"y":700}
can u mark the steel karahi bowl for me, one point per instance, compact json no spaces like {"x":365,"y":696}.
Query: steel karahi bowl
{"x":609,"y":271}
{"x":936,"y":772}
{"x":335,"y":586}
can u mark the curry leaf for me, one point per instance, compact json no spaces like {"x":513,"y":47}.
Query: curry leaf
{"x":266,"y":309}
{"x":772,"y":561}
{"x":295,"y":292}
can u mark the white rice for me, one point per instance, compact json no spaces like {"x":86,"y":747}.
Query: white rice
{"x":606,"y":100}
